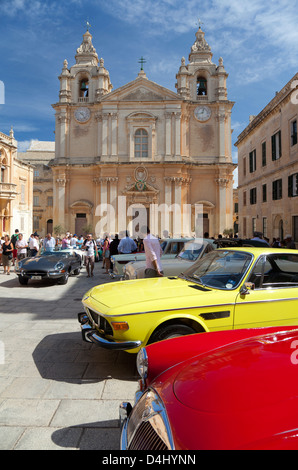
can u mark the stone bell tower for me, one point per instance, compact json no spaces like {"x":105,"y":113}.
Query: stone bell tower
{"x":203,"y":86}
{"x":81,"y":87}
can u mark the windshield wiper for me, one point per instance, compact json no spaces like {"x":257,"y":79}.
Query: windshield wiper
{"x":199,"y":280}
{"x":191,"y":278}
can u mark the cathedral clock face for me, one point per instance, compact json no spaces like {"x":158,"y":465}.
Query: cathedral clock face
{"x":82,"y":114}
{"x":202,"y":113}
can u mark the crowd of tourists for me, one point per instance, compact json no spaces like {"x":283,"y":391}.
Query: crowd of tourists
{"x":15,"y":248}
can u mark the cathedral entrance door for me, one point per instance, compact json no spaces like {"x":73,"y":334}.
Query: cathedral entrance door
{"x":80,"y":224}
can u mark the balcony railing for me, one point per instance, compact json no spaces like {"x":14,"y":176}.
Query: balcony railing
{"x":8,"y":191}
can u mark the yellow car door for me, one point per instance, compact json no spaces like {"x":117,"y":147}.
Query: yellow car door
{"x":274,"y":299}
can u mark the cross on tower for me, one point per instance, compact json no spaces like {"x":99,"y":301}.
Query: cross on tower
{"x":142,"y":61}
{"x":88,"y":25}
{"x":200,"y":22}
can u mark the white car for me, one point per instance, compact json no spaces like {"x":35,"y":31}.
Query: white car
{"x":170,"y":247}
{"x":191,"y":252}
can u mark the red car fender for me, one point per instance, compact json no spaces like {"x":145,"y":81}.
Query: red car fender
{"x":168,"y":353}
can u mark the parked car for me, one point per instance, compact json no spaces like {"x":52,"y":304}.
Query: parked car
{"x":227,"y":289}
{"x":57,"y":265}
{"x":170,"y":247}
{"x":191,"y":252}
{"x":218,"y":391}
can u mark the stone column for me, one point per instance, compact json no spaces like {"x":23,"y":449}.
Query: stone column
{"x":221,"y":117}
{"x":222,"y":204}
{"x":177,"y":213}
{"x":98,"y":118}
{"x":63,"y":130}
{"x":166,"y":218}
{"x":112,"y":213}
{"x":105,"y":120}
{"x":59,"y":204}
{"x":168,"y":117}
{"x":177,"y":134}
{"x":114,"y":117}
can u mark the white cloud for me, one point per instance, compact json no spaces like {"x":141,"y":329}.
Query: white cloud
{"x":23,"y":145}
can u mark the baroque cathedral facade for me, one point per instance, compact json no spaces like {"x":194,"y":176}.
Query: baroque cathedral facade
{"x":143,"y":149}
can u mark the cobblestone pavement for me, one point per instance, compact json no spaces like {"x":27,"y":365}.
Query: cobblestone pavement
{"x":56,"y":391}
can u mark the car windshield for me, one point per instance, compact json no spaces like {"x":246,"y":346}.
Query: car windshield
{"x":57,"y":251}
{"x":221,"y":269}
{"x":191,"y":251}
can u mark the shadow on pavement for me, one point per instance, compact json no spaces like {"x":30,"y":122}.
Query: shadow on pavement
{"x":66,"y":357}
{"x":89,"y":436}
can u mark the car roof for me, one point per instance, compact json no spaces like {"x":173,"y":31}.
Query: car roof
{"x":258,"y":250}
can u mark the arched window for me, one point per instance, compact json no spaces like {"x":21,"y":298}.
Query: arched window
{"x":201,"y":86}
{"x":141,"y":143}
{"x":3,"y":165}
{"x":84,"y":88}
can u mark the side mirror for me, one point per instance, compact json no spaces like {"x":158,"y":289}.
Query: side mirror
{"x":246,"y":288}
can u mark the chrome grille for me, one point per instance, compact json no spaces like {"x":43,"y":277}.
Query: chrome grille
{"x":146,"y":439}
{"x":35,"y":273}
{"x":148,"y":427}
{"x":100,"y":322}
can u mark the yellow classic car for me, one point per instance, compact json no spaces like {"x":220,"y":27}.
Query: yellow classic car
{"x":226,"y":289}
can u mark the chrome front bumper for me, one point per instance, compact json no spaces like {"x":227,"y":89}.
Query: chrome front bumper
{"x":91,"y":335}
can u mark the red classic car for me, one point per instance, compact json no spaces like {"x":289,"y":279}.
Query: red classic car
{"x":224,"y":390}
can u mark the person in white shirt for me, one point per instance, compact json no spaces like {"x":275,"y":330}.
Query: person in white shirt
{"x":21,"y":246}
{"x":153,"y":254}
{"x":49,"y":242}
{"x":127,"y":245}
{"x":90,"y":246}
{"x":34,"y":245}
{"x":73,"y":240}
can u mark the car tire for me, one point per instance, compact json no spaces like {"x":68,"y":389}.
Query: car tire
{"x":171,"y":331}
{"x":63,"y":279}
{"x":23,"y":281}
{"x":76,"y":272}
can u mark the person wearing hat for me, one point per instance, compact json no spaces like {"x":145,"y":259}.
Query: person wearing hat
{"x":289,"y":243}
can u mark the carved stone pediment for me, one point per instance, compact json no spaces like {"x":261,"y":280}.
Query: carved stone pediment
{"x":143,"y":94}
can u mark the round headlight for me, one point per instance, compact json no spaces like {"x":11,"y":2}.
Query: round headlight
{"x":59,"y":266}
{"x":142,"y":363}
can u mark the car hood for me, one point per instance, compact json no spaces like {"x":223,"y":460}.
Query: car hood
{"x":147,"y":294}
{"x":41,"y":262}
{"x":249,"y":375}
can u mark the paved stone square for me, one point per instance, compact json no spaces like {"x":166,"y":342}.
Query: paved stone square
{"x":56,"y":391}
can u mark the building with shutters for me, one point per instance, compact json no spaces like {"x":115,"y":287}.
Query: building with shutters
{"x":268,"y":168}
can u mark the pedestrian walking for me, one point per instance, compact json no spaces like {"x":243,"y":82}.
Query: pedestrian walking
{"x":7,"y":254}
{"x":106,"y":254}
{"x":127,"y":245}
{"x":90,"y":246}
{"x":14,"y":239}
{"x":289,"y":243}
{"x":153,"y":254}
{"x":21,"y":246}
{"x":114,"y":249}
{"x":34,"y":245}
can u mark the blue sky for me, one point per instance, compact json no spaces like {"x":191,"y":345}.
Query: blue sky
{"x":257,"y":39}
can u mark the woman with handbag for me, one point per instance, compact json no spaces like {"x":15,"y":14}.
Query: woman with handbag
{"x":7,"y":250}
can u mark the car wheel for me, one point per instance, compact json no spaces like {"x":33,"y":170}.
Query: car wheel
{"x":63,"y":279}
{"x":171,"y":331}
{"x":77,"y":271}
{"x":23,"y":281}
